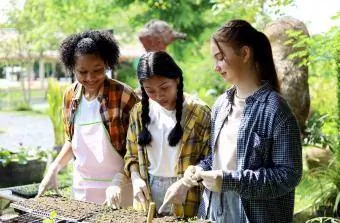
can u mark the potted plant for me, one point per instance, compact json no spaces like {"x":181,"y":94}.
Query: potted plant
{"x":25,"y":166}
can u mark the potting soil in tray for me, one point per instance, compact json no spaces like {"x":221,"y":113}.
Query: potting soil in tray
{"x":65,"y":208}
{"x":108,"y":215}
{"x":79,"y":211}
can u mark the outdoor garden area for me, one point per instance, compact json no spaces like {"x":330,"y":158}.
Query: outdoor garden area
{"x":32,"y":84}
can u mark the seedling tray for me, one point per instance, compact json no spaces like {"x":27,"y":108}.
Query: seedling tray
{"x":86,"y":212}
{"x":66,"y":209}
{"x":29,"y":191}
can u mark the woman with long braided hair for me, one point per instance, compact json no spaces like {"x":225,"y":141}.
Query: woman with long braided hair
{"x":169,"y":130}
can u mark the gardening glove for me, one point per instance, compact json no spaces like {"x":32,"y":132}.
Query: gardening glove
{"x":113,"y":192}
{"x":176,"y":194}
{"x":140,"y":189}
{"x":212,"y":180}
{"x":191,"y":176}
{"x":50,"y":180}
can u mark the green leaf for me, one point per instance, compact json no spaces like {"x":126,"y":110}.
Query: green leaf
{"x":53,"y":215}
{"x":336,"y":204}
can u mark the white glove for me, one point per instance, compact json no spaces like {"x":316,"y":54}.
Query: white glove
{"x":176,"y":194}
{"x":140,"y":189}
{"x":191,"y":176}
{"x":113,"y":193}
{"x":50,"y":180}
{"x":212,"y":180}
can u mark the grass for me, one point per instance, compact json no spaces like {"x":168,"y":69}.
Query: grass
{"x":303,"y":197}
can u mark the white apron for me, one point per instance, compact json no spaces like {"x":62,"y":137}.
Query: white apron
{"x":96,"y":161}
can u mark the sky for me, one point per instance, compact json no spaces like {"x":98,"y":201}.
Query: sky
{"x":315,"y":13}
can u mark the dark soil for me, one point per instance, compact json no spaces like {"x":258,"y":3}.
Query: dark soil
{"x":65,"y":208}
{"x":108,"y":215}
{"x":89,"y":212}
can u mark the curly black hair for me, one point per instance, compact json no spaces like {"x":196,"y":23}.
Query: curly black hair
{"x":101,"y":43}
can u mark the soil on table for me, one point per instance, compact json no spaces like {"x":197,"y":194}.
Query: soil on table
{"x":64,"y":207}
{"x":109,"y":215}
{"x":80,"y":211}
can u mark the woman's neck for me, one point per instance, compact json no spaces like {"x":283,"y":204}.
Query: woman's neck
{"x":247,"y":87}
{"x":90,"y":95}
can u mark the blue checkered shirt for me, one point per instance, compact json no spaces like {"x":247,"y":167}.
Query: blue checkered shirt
{"x":269,"y":157}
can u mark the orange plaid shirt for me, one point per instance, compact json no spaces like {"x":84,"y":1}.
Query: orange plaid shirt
{"x":116,"y":100}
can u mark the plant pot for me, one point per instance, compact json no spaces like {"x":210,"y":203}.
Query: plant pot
{"x":15,"y":174}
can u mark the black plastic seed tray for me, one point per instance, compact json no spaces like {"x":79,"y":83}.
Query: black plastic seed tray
{"x":24,"y":218}
{"x":26,"y":191}
{"x":29,"y":190}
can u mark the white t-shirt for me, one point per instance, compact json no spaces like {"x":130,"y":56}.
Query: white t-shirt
{"x":88,"y":112}
{"x":225,"y":155}
{"x":163,"y":157}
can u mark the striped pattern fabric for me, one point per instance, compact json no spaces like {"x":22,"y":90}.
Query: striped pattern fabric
{"x":269,"y":157}
{"x":194,"y":146}
{"x":116,"y":100}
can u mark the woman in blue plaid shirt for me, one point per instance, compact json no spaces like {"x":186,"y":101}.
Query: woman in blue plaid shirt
{"x":255,"y":160}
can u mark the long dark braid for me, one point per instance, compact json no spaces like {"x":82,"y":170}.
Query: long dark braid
{"x":144,"y":136}
{"x":177,"y":132}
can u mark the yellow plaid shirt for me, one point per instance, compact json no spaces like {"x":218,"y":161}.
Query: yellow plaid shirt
{"x":116,"y":100}
{"x":194,"y":146}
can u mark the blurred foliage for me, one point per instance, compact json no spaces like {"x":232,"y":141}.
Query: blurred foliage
{"x":324,"y":71}
{"x":313,"y":134}
{"x":42,"y":24}
{"x":55,"y":93}
{"x":22,"y":155}
{"x":126,"y":73}
{"x":323,"y":125}
{"x":22,"y":106}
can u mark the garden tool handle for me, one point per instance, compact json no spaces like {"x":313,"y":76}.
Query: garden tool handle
{"x":151,"y":212}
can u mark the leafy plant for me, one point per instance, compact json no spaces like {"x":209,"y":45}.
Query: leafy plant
{"x":23,"y":106}
{"x":52,"y":218}
{"x":326,"y":192}
{"x":55,"y":102}
{"x":22,"y":156}
{"x":313,"y":134}
{"x":323,"y":220}
{"x":324,"y":70}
